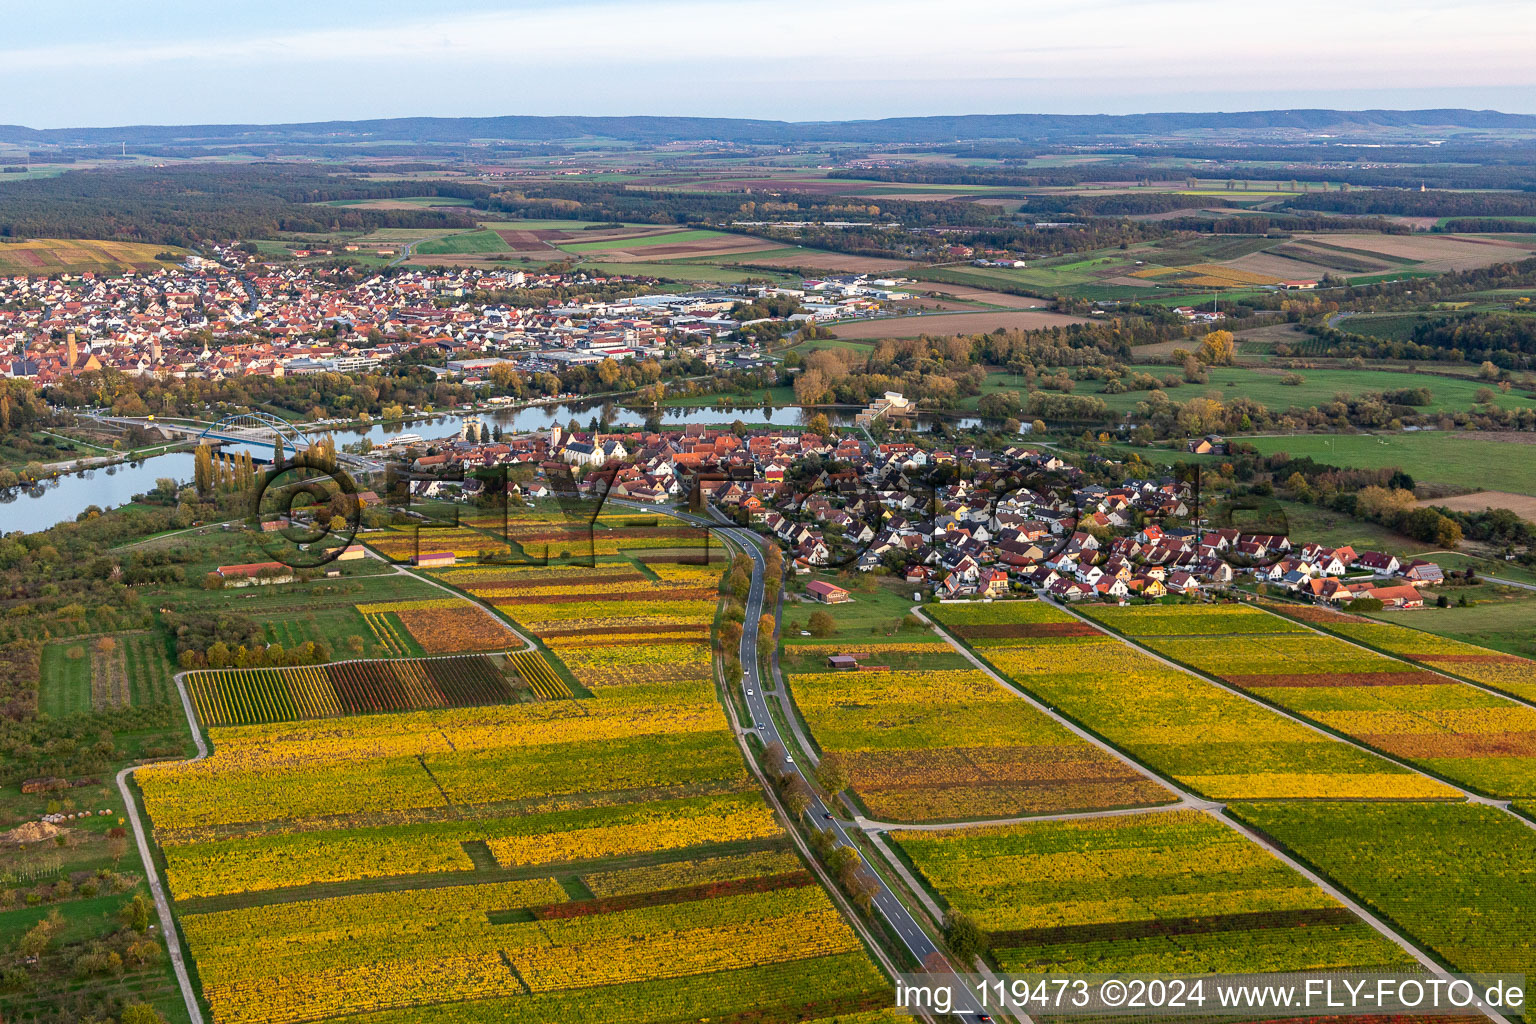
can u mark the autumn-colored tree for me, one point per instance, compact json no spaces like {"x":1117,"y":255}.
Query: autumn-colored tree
{"x":765,"y":626}
{"x":141,"y":1013}
{"x":40,"y":936}
{"x":730,"y":636}
{"x":811,"y":387}
{"x":202,"y":469}
{"x":833,"y":773}
{"x":822,"y":624}
{"x":1217,"y":348}
{"x":797,"y":795}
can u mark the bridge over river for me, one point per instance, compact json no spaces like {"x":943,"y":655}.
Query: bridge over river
{"x":258,"y":429}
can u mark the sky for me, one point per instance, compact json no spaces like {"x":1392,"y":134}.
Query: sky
{"x":96,"y":63}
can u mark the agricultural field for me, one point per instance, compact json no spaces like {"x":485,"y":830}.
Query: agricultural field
{"x":638,"y":244}
{"x":1205,"y":738}
{"x":65,"y":685}
{"x":1318,"y":387}
{"x":1155,"y":893}
{"x":927,"y":737}
{"x":1424,"y":252}
{"x":1497,"y":620}
{"x":41,"y":256}
{"x":1507,"y":673}
{"x":642,"y":250}
{"x":667,"y":245}
{"x":246,"y":696}
{"x":573,"y":609}
{"x":436,"y":626}
{"x":516,"y":860}
{"x":951,"y":323}
{"x":1460,"y":879}
{"x":1177,"y":268}
{"x":543,"y":954}
{"x":103,"y":672}
{"x":1461,"y":460}
{"x":949,"y":743}
{"x":526,"y":537}
{"x":1522,"y":505}
{"x":474,"y":242}
{"x":1460,"y":733}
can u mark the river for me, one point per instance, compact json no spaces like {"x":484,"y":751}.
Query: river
{"x":63,"y":498}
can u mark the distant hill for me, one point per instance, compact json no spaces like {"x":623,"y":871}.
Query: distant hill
{"x":972,"y":127}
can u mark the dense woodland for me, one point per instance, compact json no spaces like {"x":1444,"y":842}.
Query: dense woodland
{"x":184,"y":205}
{"x":1413,"y":203}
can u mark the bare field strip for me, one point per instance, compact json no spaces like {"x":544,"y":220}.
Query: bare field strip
{"x":652,"y":253}
{"x":920,"y":197}
{"x":952,"y":323}
{"x":1320,"y":256}
{"x":1522,"y":505}
{"x":529,"y":240}
{"x":1284,"y":268}
{"x":963,"y":293}
{"x":1435,"y":252}
{"x":609,"y":235}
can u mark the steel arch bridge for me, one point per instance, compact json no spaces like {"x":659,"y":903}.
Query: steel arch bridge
{"x":257,"y":428}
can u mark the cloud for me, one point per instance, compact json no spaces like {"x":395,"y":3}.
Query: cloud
{"x":589,"y":55}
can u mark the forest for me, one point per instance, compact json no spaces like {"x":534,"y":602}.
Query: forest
{"x":185,"y":205}
{"x":1403,"y":202}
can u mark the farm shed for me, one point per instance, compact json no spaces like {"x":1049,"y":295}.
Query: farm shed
{"x":827,"y":593}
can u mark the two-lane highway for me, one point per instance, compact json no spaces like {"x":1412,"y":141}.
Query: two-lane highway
{"x":754,"y":691}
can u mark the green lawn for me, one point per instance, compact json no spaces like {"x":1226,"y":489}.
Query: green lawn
{"x":626,"y":244}
{"x":869,"y":616}
{"x":1460,"y":560}
{"x":150,"y":670}
{"x":1392,"y":275}
{"x":1388,"y":326}
{"x":1501,"y":618}
{"x":748,"y":403}
{"x":1318,"y":387}
{"x":467,"y":242}
{"x":65,"y":684}
{"x":1457,"y":459}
